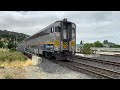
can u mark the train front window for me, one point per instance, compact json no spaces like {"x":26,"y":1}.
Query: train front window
{"x":49,"y":46}
{"x":64,"y":34}
{"x":73,"y":32}
{"x":66,"y":31}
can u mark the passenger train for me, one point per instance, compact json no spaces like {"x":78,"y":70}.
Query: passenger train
{"x":56,"y":40}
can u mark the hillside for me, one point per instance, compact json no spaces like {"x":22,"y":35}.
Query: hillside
{"x":11,"y":38}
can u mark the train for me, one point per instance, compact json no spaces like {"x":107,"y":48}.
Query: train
{"x":56,"y":40}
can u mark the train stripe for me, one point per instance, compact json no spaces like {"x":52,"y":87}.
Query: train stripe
{"x":42,"y":43}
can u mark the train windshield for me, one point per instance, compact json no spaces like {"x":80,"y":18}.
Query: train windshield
{"x":73,"y":32}
{"x":49,"y":46}
{"x":64,"y":34}
{"x":65,"y":31}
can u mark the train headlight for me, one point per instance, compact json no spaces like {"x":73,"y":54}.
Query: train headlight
{"x":56,"y":34}
{"x":57,"y":48}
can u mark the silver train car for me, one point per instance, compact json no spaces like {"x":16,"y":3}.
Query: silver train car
{"x":56,"y":40}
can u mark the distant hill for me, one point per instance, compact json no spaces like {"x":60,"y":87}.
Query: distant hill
{"x":10,"y":36}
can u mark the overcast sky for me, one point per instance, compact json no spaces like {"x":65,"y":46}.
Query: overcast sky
{"x":91,"y":25}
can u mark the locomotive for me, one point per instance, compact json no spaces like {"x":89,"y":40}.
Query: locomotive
{"x":56,"y":40}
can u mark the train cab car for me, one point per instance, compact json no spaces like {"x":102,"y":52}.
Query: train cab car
{"x":65,"y":43}
{"x":57,"y":39}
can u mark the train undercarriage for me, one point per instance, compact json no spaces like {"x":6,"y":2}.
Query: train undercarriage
{"x":58,"y":55}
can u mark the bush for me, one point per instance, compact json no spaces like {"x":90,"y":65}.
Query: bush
{"x":11,"y":45}
{"x":98,"y":44}
{"x":1,"y":44}
{"x":12,"y":50}
{"x":86,"y":49}
{"x":12,"y":56}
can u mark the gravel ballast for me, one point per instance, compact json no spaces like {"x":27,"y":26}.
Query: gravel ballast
{"x":50,"y":70}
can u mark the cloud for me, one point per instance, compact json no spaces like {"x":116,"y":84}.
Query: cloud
{"x":91,"y":25}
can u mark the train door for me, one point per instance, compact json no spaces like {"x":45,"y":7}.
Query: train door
{"x":66,"y":35}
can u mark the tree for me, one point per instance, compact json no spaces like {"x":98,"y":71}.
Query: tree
{"x":1,"y":44}
{"x":98,"y":44}
{"x":105,"y":42}
{"x":81,"y":42}
{"x":11,"y":45}
{"x":86,"y":49}
{"x":92,"y":45}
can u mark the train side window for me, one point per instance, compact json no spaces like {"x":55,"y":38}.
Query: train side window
{"x":57,"y":29}
{"x":73,"y":30}
{"x":52,"y":30}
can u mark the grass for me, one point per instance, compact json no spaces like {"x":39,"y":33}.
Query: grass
{"x":8,"y":77}
{"x":11,"y":56}
{"x":13,"y":59}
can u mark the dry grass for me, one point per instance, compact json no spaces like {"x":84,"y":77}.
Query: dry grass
{"x":13,"y":63}
{"x":12,"y":56}
{"x":12,"y":73}
{"x":16,"y":63}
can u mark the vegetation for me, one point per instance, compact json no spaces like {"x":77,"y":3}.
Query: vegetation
{"x":11,"y":55}
{"x":12,"y":50}
{"x":10,"y":39}
{"x":92,"y":44}
{"x":1,"y":44}
{"x":11,"y":45}
{"x":98,"y":44}
{"x":86,"y":49}
{"x":8,"y":77}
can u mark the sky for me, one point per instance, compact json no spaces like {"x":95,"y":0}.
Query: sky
{"x":90,"y":25}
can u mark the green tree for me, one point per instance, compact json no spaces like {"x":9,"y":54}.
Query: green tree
{"x":1,"y":44}
{"x":81,"y":42}
{"x":105,"y":42}
{"x":11,"y":45}
{"x":98,"y":44}
{"x":86,"y":49}
{"x":92,"y":45}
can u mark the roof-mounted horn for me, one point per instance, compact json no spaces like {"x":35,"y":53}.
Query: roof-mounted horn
{"x":65,"y":19}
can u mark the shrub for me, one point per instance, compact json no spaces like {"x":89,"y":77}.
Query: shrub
{"x":86,"y":49}
{"x":12,"y":56}
{"x":12,"y":50}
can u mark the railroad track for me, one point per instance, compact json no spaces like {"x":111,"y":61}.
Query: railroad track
{"x":78,"y":62}
{"x":98,"y":60}
{"x":101,"y":73}
{"x":75,"y":64}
